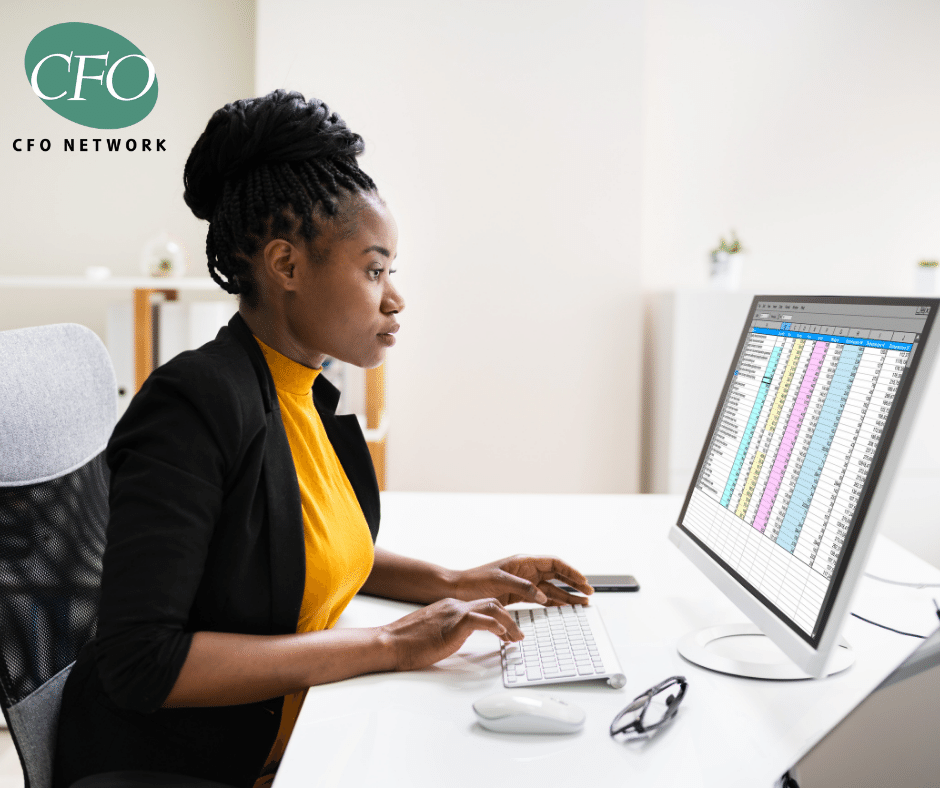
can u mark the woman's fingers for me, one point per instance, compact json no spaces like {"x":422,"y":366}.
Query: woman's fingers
{"x":490,"y":610}
{"x":559,"y":570}
{"x":522,"y":578}
{"x":519,"y":589}
{"x":560,"y":596}
{"x":429,"y":635}
{"x":545,"y":568}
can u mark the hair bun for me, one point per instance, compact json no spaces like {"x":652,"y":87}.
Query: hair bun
{"x":279,"y":127}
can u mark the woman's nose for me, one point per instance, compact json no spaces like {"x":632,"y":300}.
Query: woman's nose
{"x":394,"y":303}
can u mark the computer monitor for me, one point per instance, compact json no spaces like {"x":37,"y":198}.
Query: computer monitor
{"x":784,"y":502}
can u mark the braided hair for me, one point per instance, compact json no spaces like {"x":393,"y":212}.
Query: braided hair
{"x":265,"y":167}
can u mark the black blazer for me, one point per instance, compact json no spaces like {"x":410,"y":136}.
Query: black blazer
{"x":205,"y":534}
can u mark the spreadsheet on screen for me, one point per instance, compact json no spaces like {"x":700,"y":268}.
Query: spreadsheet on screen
{"x":793,"y":444}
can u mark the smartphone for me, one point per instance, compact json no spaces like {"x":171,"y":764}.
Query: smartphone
{"x":609,"y":583}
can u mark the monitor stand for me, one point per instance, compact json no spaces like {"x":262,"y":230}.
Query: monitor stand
{"x":743,"y":650}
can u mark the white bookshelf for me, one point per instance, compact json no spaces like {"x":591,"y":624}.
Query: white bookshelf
{"x":110,"y":283}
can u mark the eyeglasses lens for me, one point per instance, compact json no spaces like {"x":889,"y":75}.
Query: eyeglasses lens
{"x":659,"y":708}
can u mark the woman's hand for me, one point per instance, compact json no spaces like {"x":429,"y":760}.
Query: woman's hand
{"x":523,"y":578}
{"x":434,"y":632}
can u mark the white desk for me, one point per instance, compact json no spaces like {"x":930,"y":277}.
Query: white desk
{"x":418,"y":729}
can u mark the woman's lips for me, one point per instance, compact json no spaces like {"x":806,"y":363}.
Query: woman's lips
{"x":388,"y":337}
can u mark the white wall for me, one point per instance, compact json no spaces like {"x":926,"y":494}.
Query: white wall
{"x":809,"y":127}
{"x":505,"y":136}
{"x":544,"y":160}
{"x":62,"y":212}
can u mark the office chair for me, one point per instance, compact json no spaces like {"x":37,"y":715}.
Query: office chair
{"x":58,"y":406}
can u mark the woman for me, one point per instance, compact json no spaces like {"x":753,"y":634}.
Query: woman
{"x":243,"y":510}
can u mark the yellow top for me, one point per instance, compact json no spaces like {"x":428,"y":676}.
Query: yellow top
{"x":337,"y":542}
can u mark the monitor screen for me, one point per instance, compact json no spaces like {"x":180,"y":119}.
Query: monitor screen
{"x":797,"y":443}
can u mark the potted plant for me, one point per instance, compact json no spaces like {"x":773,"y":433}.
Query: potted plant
{"x":726,"y":264}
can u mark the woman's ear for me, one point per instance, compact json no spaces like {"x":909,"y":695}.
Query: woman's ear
{"x":279,"y":259}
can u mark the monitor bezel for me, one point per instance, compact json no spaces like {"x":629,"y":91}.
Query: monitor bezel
{"x":811,"y":654}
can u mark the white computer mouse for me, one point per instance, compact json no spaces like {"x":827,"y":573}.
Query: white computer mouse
{"x":526,"y":711}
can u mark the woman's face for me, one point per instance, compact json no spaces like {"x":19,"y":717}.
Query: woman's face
{"x":342,"y":302}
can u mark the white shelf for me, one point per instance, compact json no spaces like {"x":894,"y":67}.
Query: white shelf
{"x":111,"y":283}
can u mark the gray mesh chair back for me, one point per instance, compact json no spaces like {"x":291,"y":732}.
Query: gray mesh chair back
{"x":58,"y":406}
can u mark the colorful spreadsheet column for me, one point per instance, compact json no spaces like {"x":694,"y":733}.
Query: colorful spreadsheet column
{"x":751,"y":426}
{"x":819,"y":447}
{"x":770,"y":427}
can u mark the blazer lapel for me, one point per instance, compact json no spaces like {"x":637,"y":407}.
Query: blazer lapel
{"x":285,"y":527}
{"x":285,"y":516}
{"x":345,"y":434}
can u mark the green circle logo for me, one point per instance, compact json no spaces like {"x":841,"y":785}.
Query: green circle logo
{"x":91,"y":75}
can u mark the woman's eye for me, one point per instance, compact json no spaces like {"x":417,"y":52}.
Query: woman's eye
{"x":375,"y":273}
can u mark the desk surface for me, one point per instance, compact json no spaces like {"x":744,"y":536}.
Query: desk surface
{"x":419,"y":728}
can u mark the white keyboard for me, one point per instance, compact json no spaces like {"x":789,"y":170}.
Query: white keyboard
{"x":567,"y":643}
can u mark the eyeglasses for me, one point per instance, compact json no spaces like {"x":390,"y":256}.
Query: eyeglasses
{"x":649,"y":711}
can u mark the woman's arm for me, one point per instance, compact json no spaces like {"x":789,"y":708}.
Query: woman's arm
{"x":224,"y":669}
{"x":408,"y":579}
{"x":518,"y":578}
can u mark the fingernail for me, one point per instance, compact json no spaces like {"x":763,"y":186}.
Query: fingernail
{"x":540,"y":596}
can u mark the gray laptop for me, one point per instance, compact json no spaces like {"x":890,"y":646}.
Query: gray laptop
{"x":892,"y":738}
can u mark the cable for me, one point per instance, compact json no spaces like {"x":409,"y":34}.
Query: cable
{"x":902,"y":583}
{"x":908,"y":585}
{"x":891,"y":629}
